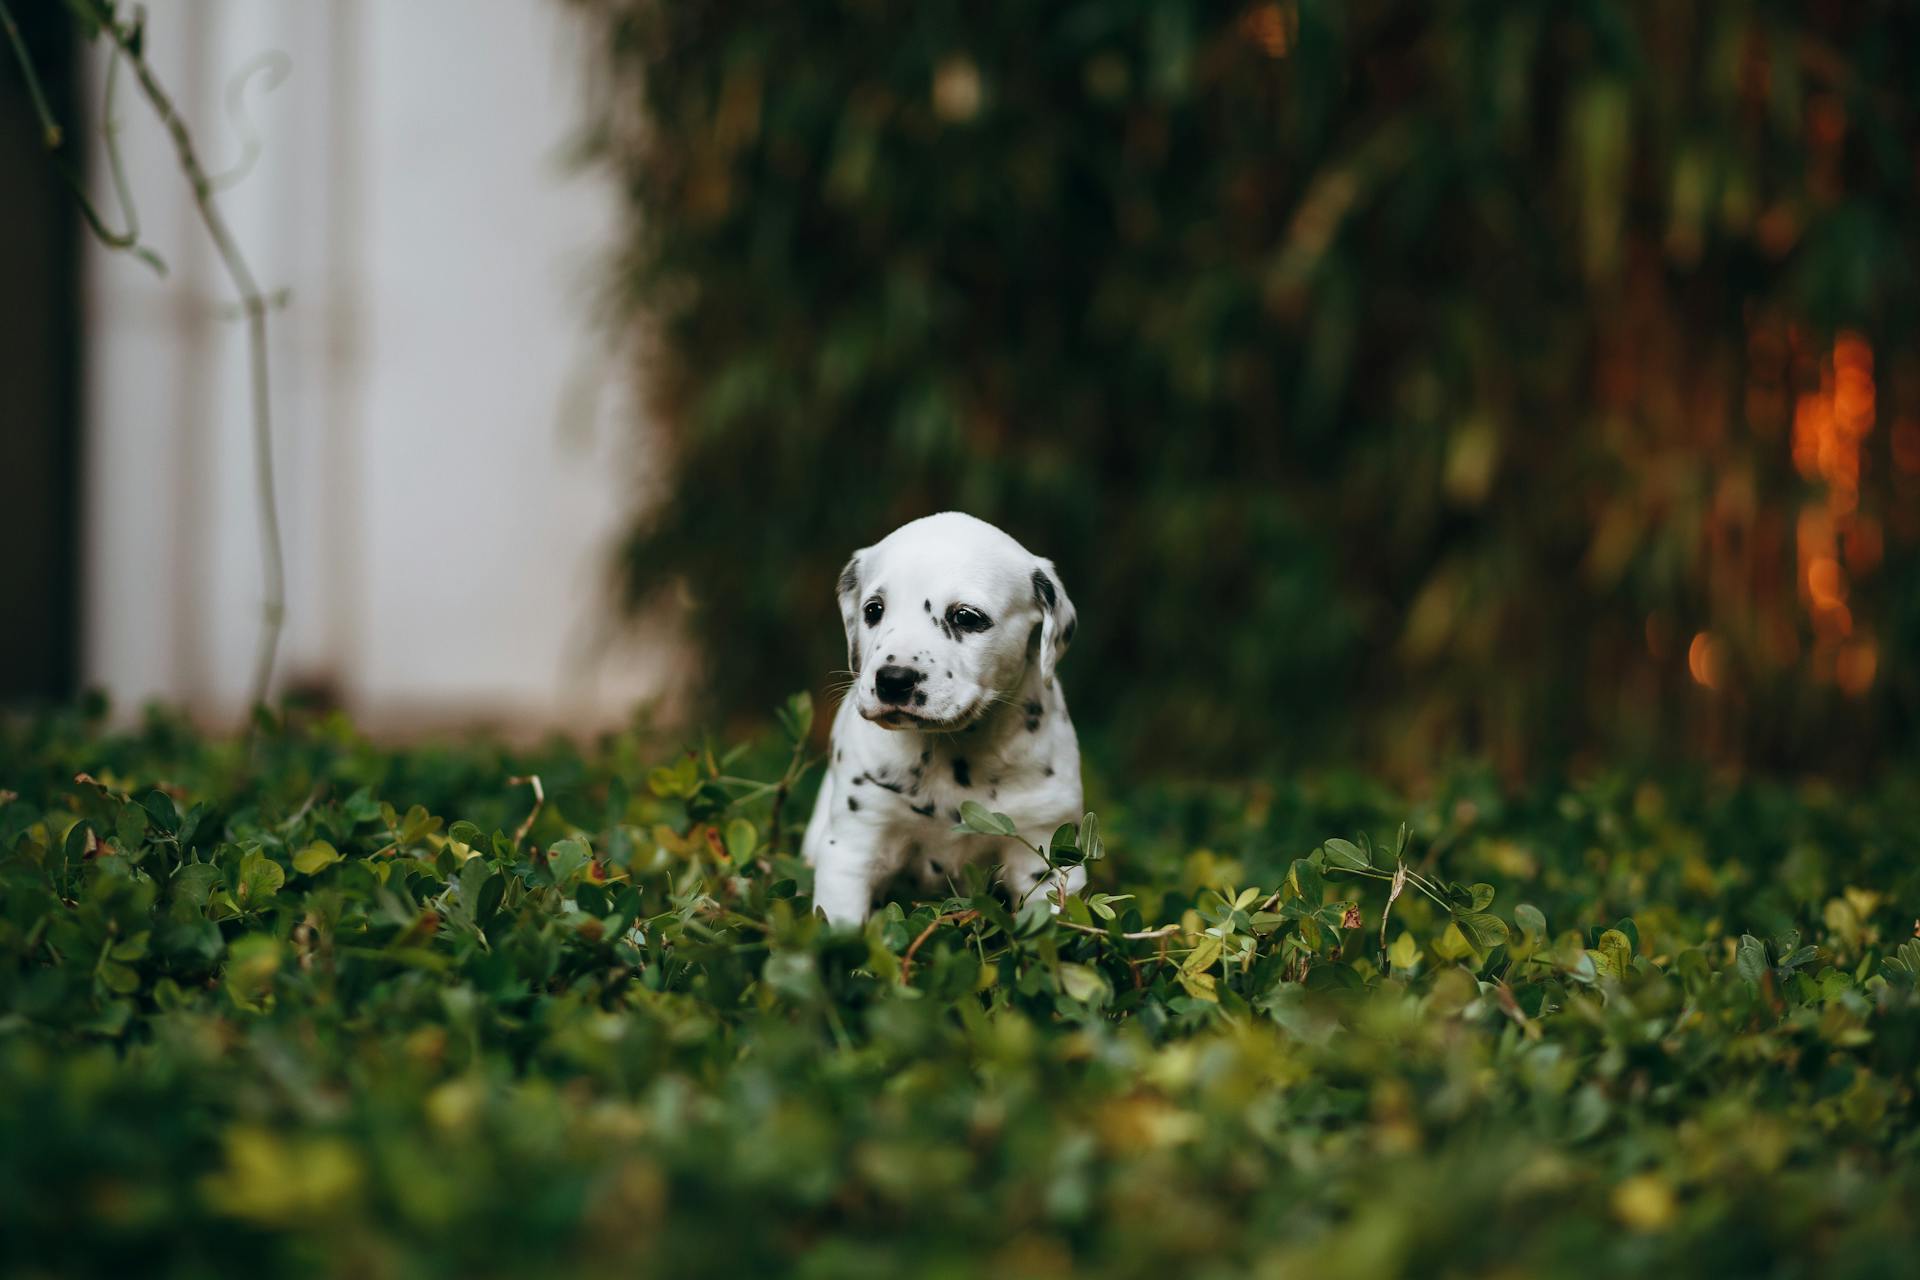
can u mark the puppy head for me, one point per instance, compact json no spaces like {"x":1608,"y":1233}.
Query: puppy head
{"x":945,"y":616}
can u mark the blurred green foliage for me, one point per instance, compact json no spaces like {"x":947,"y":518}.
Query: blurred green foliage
{"x":1384,"y":378}
{"x":333,"y":1010}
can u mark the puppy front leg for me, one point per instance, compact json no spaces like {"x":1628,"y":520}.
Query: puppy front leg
{"x":843,"y":884}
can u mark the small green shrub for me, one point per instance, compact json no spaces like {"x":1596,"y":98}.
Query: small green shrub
{"x":459,"y":1010}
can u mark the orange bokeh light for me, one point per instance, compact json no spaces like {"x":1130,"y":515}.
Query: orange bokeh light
{"x":1703,"y":660}
{"x":1855,"y":666}
{"x":1834,"y":539}
{"x":1274,"y":27}
{"x":1825,"y":583}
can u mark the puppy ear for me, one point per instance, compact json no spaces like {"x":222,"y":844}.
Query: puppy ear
{"x":849,"y":596}
{"x":1057,"y":618}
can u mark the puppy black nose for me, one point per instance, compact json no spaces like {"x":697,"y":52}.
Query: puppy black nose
{"x":895,"y":684}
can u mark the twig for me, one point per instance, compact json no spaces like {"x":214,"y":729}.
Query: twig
{"x":906,"y":959}
{"x":539,"y":798}
{"x":795,"y":767}
{"x":254,"y":304}
{"x":1144,"y":935}
{"x":53,"y":138}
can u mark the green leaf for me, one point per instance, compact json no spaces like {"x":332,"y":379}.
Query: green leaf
{"x":1085,"y":984}
{"x":361,"y":807}
{"x":568,"y":859}
{"x":260,"y":878}
{"x":1902,"y":968}
{"x":194,"y":883}
{"x":315,"y":858}
{"x":1092,"y":847}
{"x":1063,"y":849}
{"x":1804,"y":956}
{"x":1532,"y":921}
{"x":119,"y":978}
{"x":160,"y":808}
{"x":1617,"y":947}
{"x":1750,"y":958}
{"x":1198,"y":984}
{"x":252,"y":962}
{"x":130,"y":828}
{"x":417,"y":826}
{"x":742,"y":839}
{"x":1035,"y":916}
{"x":977,"y":818}
{"x":680,"y":780}
{"x":1346,"y":855}
{"x":1483,"y":931}
{"x":1481,"y":896}
{"x":796,"y":717}
{"x":1305,"y":881}
{"x":1205,"y":954}
{"x":1404,"y":954}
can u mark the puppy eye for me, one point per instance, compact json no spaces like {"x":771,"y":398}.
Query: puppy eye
{"x":874,"y":611}
{"x":964,"y":617}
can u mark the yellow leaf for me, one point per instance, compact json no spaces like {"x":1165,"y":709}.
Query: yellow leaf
{"x":1644,"y":1202}
{"x":315,"y":858}
{"x":1203,"y":956}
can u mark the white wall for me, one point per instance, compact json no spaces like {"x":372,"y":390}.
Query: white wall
{"x":452,"y":433}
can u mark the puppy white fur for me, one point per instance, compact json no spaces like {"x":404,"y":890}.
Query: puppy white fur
{"x":953,"y":633}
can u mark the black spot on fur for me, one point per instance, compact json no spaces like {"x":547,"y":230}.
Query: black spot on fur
{"x":1049,"y":771}
{"x":850,"y":577}
{"x":919,"y":699}
{"x":860,"y":780}
{"x":1033,"y":717}
{"x":853,"y":805}
{"x":1043,"y":593}
{"x":888,"y":783}
{"x":926,"y":755}
{"x":924,"y":810}
{"x":962,"y":774}
{"x":1038,"y":876}
{"x":956,"y":815}
{"x":927,"y":605}
{"x":936,"y":868}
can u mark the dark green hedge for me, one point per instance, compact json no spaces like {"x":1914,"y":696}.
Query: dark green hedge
{"x":1381,"y":376}
{"x":328,"y":1010}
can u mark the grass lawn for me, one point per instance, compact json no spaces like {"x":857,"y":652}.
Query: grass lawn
{"x":322,"y":1008}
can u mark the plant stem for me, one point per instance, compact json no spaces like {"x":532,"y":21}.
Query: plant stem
{"x":1164,"y":931}
{"x":253,"y":304}
{"x":53,"y":138}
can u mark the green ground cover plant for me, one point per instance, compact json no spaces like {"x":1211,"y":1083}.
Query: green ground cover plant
{"x":314,"y":1007}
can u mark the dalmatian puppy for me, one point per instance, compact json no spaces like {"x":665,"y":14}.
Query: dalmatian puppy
{"x":953,"y":634}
